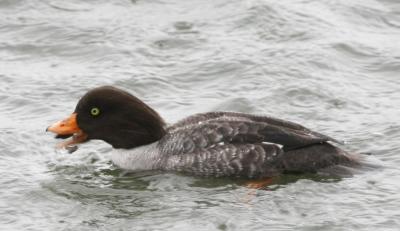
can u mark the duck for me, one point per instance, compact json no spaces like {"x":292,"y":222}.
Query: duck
{"x":211,"y":144}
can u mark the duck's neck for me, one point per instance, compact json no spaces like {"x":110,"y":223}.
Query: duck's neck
{"x":145,"y":157}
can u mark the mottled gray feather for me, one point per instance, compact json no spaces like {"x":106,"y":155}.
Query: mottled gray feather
{"x":241,"y":160}
{"x":237,"y":144}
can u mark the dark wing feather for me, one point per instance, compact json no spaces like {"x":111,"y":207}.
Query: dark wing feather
{"x":214,"y":132}
{"x":203,"y":117}
{"x":236,"y":116}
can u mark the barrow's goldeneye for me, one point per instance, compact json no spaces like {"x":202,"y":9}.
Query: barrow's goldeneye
{"x":214,"y":144}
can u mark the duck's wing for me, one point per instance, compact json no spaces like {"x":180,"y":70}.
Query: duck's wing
{"x":195,"y":136}
{"x":202,"y":118}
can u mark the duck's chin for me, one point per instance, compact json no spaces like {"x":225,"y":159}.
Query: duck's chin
{"x":70,"y":143}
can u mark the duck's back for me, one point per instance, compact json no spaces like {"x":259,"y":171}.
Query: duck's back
{"x":243,"y":145}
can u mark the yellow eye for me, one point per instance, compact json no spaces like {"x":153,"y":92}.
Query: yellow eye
{"x":95,"y":111}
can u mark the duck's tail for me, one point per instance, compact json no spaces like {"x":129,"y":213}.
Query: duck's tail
{"x":319,"y":158}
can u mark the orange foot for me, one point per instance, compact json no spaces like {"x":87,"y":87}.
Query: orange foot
{"x":254,"y":185}
{"x":260,"y":183}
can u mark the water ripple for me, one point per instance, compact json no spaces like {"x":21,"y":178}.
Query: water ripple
{"x":330,"y":65}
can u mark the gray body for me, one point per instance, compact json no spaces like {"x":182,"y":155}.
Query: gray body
{"x":222,"y":144}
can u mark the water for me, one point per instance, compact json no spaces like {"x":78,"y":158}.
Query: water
{"x":330,"y":65}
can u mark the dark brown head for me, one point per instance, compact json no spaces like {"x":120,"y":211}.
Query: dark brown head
{"x":113,"y":115}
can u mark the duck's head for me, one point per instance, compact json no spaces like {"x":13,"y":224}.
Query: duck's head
{"x":113,"y":115}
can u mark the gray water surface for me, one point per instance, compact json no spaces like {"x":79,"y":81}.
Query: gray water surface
{"x":331,"y":65}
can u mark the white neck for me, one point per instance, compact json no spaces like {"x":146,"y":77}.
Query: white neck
{"x":146,"y":157}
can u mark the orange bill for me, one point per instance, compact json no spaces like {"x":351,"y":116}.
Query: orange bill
{"x":68,"y":126}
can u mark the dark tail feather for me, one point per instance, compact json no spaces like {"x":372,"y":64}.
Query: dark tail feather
{"x":313,"y":158}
